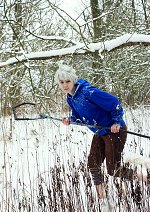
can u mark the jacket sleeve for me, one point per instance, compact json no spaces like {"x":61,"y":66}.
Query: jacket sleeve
{"x":106,"y":102}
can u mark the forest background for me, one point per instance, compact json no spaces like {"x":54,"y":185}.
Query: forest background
{"x":43,"y":164}
{"x":43,"y":26}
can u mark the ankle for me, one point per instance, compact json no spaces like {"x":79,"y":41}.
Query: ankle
{"x":101,"y":190}
{"x":142,"y":177}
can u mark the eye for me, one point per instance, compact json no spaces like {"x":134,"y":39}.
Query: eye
{"x":61,"y":82}
{"x":67,"y":81}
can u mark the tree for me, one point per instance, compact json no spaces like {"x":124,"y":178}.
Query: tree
{"x":40,"y":34}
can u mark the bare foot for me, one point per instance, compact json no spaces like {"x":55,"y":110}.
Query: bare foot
{"x":101,"y":190}
{"x":142,"y":177}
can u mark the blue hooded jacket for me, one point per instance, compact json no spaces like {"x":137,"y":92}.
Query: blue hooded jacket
{"x":93,"y":106}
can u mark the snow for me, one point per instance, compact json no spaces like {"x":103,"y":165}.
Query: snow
{"x":31,"y":152}
{"x":79,"y":48}
{"x":29,"y":149}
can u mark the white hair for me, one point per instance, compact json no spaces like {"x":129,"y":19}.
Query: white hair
{"x":65,"y":72}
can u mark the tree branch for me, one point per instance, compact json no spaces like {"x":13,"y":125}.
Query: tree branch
{"x":81,"y":48}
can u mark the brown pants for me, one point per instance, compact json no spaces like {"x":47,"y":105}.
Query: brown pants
{"x":110,"y":147}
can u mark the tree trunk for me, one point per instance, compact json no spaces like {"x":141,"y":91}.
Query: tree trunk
{"x":95,"y":10}
{"x":15,"y":89}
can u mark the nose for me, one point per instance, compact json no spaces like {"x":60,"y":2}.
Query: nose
{"x":65,"y":85}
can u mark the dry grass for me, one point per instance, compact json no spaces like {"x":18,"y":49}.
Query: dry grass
{"x":44,"y":169}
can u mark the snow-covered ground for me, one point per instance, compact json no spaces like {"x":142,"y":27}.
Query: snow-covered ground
{"x":43,"y":165}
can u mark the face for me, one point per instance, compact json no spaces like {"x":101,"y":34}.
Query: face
{"x":67,"y":86}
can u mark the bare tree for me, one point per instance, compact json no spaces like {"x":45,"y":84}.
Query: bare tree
{"x":30,"y":27}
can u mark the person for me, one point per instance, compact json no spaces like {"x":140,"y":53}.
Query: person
{"x":92,"y":106}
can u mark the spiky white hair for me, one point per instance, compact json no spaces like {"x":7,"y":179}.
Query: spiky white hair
{"x":65,"y":72}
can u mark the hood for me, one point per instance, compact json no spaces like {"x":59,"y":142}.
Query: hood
{"x":79,"y":85}
{"x":82,"y":82}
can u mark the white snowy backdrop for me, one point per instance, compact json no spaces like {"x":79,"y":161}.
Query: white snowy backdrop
{"x":43,"y":166}
{"x":43,"y":163}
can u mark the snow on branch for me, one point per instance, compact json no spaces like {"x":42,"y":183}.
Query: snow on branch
{"x":81,"y":48}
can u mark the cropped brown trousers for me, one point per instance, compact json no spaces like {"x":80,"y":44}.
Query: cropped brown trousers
{"x":108,"y":147}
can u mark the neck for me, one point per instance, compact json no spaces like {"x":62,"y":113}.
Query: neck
{"x":73,"y":90}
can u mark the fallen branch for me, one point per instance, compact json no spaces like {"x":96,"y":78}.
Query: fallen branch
{"x":81,"y":48}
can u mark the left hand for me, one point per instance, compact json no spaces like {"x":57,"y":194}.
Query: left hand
{"x":115,"y":128}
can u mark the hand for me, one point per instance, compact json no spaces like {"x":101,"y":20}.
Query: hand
{"x":65,"y":121}
{"x":115,"y":128}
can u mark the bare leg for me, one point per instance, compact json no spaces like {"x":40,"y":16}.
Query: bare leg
{"x":101,"y":190}
{"x":106,"y":202}
{"x":142,"y":177}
